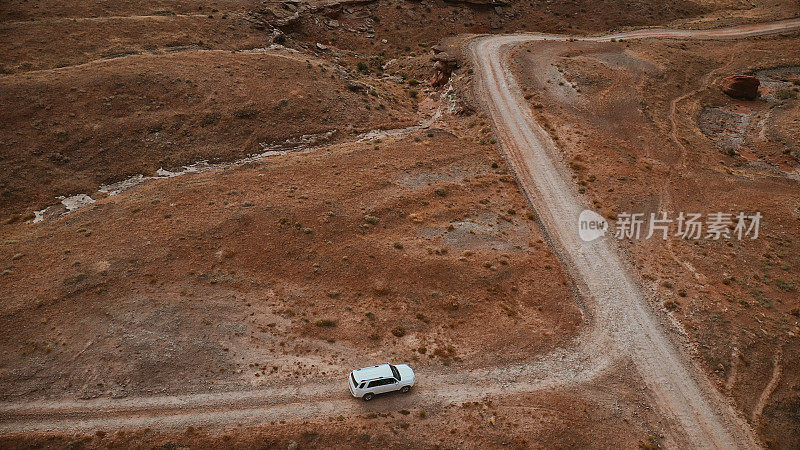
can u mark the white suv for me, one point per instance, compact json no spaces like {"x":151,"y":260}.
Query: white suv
{"x":369,"y":381}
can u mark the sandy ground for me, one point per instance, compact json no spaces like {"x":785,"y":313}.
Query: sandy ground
{"x":690,"y":414}
{"x":225,"y":306}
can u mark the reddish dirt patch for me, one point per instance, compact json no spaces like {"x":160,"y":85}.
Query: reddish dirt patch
{"x":70,"y":130}
{"x":297,"y":268}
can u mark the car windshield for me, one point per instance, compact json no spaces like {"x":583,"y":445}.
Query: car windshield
{"x":395,"y":372}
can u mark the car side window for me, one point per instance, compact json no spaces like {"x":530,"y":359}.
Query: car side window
{"x":361,"y":386}
{"x":375,"y":383}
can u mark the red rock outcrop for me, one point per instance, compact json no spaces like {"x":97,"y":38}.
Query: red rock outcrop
{"x":741,"y":86}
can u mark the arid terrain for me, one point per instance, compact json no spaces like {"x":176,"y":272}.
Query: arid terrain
{"x":213,"y":212}
{"x":674,"y":143}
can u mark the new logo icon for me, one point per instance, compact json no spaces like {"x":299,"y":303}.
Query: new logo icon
{"x":591,"y":225}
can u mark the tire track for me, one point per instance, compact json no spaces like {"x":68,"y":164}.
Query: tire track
{"x":623,"y":325}
{"x":694,"y":412}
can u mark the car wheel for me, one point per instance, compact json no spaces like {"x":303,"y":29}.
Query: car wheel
{"x":368,"y":396}
{"x":405,"y":389}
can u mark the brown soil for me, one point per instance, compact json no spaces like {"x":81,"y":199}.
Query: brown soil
{"x":70,"y":130}
{"x":737,"y":300}
{"x":296,"y":268}
{"x":285,"y":273}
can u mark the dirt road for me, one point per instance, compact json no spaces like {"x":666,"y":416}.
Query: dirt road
{"x":623,"y":326}
{"x":692,"y":409}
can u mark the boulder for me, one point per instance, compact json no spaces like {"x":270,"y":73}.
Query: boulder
{"x":444,"y":57}
{"x":277,"y":37}
{"x":439,"y":79}
{"x":443,"y":66}
{"x":741,"y":86}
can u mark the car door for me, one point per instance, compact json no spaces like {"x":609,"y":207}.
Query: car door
{"x":375,"y":386}
{"x":389,"y":385}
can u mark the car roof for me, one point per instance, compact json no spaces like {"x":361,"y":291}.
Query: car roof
{"x":372,"y":372}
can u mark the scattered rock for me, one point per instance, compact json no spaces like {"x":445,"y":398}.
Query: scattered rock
{"x":322,"y":47}
{"x":482,"y":2}
{"x":277,"y":37}
{"x":380,"y":287}
{"x":741,"y":86}
{"x":357,"y":86}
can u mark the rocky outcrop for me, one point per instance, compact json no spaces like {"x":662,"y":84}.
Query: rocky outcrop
{"x":288,"y":13}
{"x":358,"y":86}
{"x":741,"y":86}
{"x":443,"y":66}
{"x":482,"y":2}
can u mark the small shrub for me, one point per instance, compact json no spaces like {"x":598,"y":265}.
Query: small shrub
{"x":210,"y":119}
{"x":652,"y":443}
{"x":372,"y":220}
{"x":398,"y":245}
{"x":759,"y":296}
{"x":245,"y":113}
{"x":325,"y":323}
{"x":441,"y":192}
{"x":785,"y":94}
{"x":785,"y":286}
{"x":399,"y":331}
{"x":671,"y":305}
